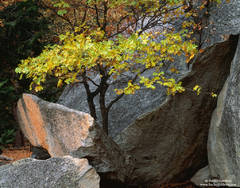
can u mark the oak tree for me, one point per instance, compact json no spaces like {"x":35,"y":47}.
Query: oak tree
{"x":113,"y":39}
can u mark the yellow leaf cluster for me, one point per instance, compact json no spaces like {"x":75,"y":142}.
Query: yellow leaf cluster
{"x":197,"y":89}
{"x":88,"y":50}
{"x":85,"y":52}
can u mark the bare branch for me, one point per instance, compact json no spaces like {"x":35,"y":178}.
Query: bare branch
{"x":55,"y":12}
{"x":94,"y":83}
{"x":105,"y":16}
{"x":97,"y":14}
{"x":114,"y":100}
{"x":84,"y":16}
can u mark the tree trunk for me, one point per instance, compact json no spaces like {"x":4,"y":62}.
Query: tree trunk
{"x":105,"y":120}
{"x":90,"y":97}
{"x":103,"y":108}
{"x":91,"y":106}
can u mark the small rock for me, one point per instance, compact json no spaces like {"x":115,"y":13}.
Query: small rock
{"x":39,"y":153}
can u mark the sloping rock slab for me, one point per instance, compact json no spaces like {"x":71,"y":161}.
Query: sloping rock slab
{"x":66,"y":172}
{"x":63,"y":131}
{"x":224,"y":133}
{"x":170,"y":143}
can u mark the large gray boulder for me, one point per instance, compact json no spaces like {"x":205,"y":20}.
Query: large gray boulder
{"x":169,"y":144}
{"x":65,"y":172}
{"x":63,"y":131}
{"x":224,"y":133}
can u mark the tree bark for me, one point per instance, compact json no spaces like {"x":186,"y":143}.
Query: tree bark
{"x":91,"y":106}
{"x":103,"y":108}
{"x":90,"y":97}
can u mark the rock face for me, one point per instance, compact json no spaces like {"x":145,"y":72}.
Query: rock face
{"x":224,"y":138}
{"x":223,"y":21}
{"x":169,"y":144}
{"x":129,"y":107}
{"x":62,"y":131}
{"x":66,"y":172}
